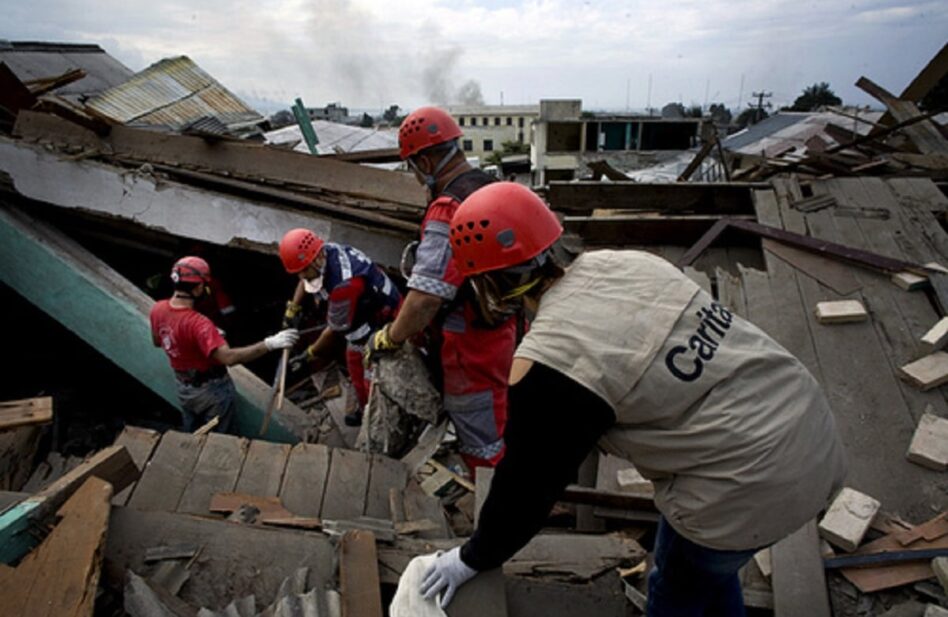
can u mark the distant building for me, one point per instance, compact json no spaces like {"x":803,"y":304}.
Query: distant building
{"x":487,"y":127}
{"x":565,"y":139}
{"x":333,"y":112}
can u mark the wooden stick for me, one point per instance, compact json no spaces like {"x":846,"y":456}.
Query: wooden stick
{"x":275,"y":391}
{"x":209,"y":426}
{"x":284,"y":359}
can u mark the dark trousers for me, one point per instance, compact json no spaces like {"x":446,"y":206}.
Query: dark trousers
{"x":690,"y":580}
{"x":199,"y":404}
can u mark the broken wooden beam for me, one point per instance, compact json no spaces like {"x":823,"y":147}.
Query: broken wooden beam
{"x":926,"y":137}
{"x":61,"y":576}
{"x":26,"y":412}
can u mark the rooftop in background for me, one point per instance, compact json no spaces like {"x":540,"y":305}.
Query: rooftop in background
{"x":176,"y":93}
{"x":335,"y":138}
{"x":36,"y":60}
{"x":790,"y":129}
{"x":506,"y":110}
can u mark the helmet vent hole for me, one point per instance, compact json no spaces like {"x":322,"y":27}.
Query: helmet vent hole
{"x":467,"y":239}
{"x":470,"y":264}
{"x":470,"y":225}
{"x":485,"y":223}
{"x":479,"y":237}
{"x":458,"y":242}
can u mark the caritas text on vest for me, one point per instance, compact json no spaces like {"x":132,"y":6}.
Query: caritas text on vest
{"x":687,"y":362}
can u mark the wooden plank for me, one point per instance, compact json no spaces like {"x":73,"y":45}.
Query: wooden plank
{"x":216,"y":471}
{"x":17,"y":451}
{"x":359,"y":575}
{"x":237,"y":158}
{"x":835,"y":275}
{"x":385,"y":475}
{"x":253,"y":559}
{"x":869,"y":580}
{"x":799,"y":582}
{"x":346,"y":485}
{"x":926,"y":79}
{"x":420,"y":507}
{"x":61,"y":576}
{"x":730,"y":292}
{"x":140,"y":443}
{"x":708,"y":198}
{"x":305,"y":479}
{"x":262,"y":472}
{"x":642,"y":229}
{"x":26,"y":412}
{"x":167,"y":473}
{"x":926,"y":137}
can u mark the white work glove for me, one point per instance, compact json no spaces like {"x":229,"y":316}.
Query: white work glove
{"x":282,"y":340}
{"x":447,"y":572}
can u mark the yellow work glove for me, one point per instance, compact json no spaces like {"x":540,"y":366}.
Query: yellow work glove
{"x":293,"y":314}
{"x":380,"y":343}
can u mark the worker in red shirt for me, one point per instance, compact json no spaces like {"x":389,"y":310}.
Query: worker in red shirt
{"x":198,"y":352}
{"x":477,"y":347}
{"x":361,"y":299}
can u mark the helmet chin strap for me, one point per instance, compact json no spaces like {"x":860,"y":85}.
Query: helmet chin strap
{"x":431,"y":180}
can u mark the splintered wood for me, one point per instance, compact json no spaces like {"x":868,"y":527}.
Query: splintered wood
{"x":26,"y":412}
{"x":840,"y":311}
{"x":60,"y":577}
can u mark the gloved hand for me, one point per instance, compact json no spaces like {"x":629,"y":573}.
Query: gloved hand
{"x":301,"y":359}
{"x":284,"y":339}
{"x":380,"y":343}
{"x":293,"y":314}
{"x":447,"y":572}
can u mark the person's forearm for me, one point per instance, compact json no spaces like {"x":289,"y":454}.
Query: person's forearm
{"x":240,"y":355}
{"x":299,"y":293}
{"x":324,"y":346}
{"x":415,"y":314}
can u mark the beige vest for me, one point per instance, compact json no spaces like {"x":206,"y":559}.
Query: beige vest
{"x":734,"y":432}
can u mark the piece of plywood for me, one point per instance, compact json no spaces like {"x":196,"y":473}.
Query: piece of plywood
{"x":928,"y":372}
{"x":346,"y":485}
{"x":799,"y":582}
{"x":26,"y":412}
{"x":385,"y":474}
{"x":840,"y":311}
{"x":574,"y":557}
{"x":420,"y":507}
{"x":216,"y":471}
{"x":167,"y":473}
{"x":60,"y":577}
{"x":929,"y":446}
{"x":937,"y":336}
{"x":140,"y":443}
{"x":848,"y":518}
{"x":263,"y":468}
{"x":305,"y":479}
{"x":359,"y":575}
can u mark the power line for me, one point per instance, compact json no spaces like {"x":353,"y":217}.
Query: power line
{"x":760,"y":103}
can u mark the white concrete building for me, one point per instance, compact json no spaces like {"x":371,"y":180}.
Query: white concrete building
{"x":487,"y":127}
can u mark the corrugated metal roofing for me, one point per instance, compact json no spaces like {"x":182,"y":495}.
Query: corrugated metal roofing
{"x":175,"y":92}
{"x":36,"y":60}
{"x":337,"y":138}
{"x":786,"y":130}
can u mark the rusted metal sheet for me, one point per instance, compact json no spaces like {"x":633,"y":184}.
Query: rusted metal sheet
{"x":175,"y":92}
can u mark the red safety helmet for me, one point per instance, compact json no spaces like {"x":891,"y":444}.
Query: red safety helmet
{"x":191,"y":270}
{"x":423,"y":128}
{"x":298,"y":249}
{"x":501,"y":225}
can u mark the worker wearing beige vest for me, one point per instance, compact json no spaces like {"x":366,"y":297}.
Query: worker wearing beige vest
{"x":627,"y":352}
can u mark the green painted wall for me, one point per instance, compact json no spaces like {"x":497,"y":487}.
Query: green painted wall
{"x":89,"y":298}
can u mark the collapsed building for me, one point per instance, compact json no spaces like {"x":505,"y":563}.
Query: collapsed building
{"x":107,"y":175}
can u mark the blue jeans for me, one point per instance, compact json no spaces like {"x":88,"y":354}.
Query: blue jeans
{"x":199,"y":404}
{"x":690,"y":580}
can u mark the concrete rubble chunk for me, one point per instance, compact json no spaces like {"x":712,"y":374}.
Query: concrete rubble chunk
{"x":935,"y":339}
{"x":840,"y":311}
{"x":848,"y":518}
{"x":929,"y":446}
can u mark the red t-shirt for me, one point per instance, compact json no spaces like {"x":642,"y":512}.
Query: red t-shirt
{"x":188,"y":337}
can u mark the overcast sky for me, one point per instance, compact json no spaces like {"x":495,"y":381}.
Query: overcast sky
{"x":370,"y":54}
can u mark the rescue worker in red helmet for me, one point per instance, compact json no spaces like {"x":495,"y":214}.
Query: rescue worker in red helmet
{"x":627,"y":352}
{"x":476,"y":350}
{"x":361,"y":298}
{"x":197,"y":350}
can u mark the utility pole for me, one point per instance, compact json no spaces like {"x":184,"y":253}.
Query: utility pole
{"x":760,"y":103}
